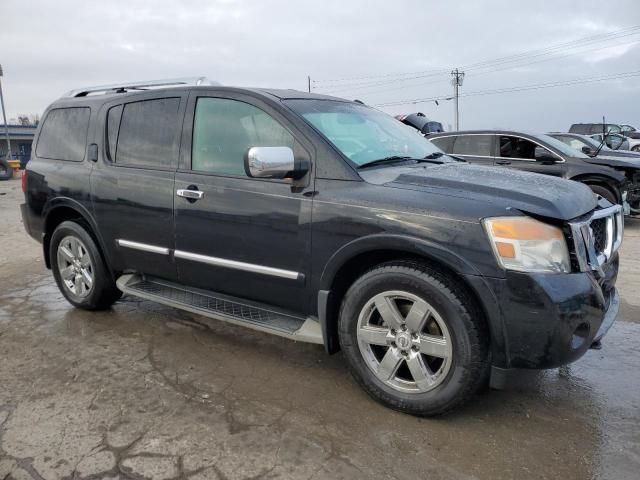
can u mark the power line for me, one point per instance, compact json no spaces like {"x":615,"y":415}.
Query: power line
{"x":496,"y":91}
{"x":561,"y":46}
{"x":507,"y":67}
{"x":550,"y":50}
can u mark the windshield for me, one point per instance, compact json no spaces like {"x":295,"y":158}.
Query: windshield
{"x":561,"y":147}
{"x":579,"y":142}
{"x":361,"y":133}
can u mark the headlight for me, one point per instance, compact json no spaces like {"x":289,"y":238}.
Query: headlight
{"x":527,"y":245}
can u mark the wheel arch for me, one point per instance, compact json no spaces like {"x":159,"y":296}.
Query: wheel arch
{"x":64,"y":209}
{"x":605,"y":181}
{"x":352,"y":260}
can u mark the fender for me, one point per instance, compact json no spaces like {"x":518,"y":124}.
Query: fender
{"x":402,"y":243}
{"x":59,"y":202}
{"x":616,"y":181}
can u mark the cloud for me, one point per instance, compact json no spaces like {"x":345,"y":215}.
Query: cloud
{"x":52,"y":47}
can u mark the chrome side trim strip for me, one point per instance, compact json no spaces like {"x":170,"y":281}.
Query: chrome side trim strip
{"x":142,"y":246}
{"x":247,"y":267}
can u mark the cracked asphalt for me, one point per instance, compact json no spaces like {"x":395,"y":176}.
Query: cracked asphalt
{"x":146,"y":391}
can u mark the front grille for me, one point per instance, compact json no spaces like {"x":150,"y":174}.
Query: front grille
{"x":599,"y":229}
{"x":597,"y":238}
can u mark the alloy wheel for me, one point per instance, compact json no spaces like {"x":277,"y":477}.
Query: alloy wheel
{"x":75,"y":266}
{"x":404,"y":341}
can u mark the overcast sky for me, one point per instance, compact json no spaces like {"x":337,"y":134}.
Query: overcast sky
{"x":49,"y":47}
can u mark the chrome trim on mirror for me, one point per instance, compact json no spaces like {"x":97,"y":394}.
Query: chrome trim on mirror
{"x":269,"y":162}
{"x":142,"y":246}
{"x":247,"y":267}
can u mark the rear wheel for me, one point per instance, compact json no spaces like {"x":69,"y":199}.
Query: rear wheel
{"x":79,"y":269}
{"x":413,"y":338}
{"x":636,"y":148}
{"x":604,"y":192}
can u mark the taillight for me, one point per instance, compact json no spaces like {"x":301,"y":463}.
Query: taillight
{"x":24,"y":181}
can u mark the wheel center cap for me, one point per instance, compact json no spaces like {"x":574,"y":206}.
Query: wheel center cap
{"x":403,"y":340}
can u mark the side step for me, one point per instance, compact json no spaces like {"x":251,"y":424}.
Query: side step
{"x":223,"y":307}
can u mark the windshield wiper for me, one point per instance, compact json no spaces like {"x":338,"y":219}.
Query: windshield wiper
{"x":433,"y":156}
{"x":385,"y":160}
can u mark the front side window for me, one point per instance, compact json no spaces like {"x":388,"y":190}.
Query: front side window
{"x":149,"y":133}
{"x":223,"y":131}
{"x":64,"y":134}
{"x":473,"y":145}
{"x":360,"y":133}
{"x":516,"y":147}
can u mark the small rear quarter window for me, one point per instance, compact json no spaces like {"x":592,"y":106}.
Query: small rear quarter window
{"x":443,"y":143}
{"x":64,"y":134}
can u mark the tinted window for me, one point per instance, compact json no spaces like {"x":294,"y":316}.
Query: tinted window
{"x":444,"y":143}
{"x":149,"y":133}
{"x":113,"y":124}
{"x":225,"y":129}
{"x":64,"y":134}
{"x":516,"y":147}
{"x":473,"y":145}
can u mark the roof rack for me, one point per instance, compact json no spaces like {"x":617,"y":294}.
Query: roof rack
{"x":143,"y":85}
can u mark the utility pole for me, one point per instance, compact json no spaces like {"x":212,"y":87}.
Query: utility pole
{"x":309,"y":83}
{"x":457,"y":79}
{"x":4,"y":118}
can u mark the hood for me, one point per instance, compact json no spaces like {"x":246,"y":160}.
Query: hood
{"x":529,"y":192}
{"x":615,"y":160}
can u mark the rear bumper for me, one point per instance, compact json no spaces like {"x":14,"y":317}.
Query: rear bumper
{"x":548,"y":320}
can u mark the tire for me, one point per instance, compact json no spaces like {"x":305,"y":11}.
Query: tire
{"x":458,"y":337}
{"x":6,"y":172}
{"x":636,"y":148}
{"x":75,"y":259}
{"x":604,"y":192}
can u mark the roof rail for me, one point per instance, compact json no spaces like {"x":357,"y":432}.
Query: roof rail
{"x":142,"y":85}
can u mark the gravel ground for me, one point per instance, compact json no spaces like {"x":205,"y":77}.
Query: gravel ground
{"x":144,"y":390}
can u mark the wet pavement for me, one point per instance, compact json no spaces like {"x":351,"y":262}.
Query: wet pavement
{"x":144,"y":390}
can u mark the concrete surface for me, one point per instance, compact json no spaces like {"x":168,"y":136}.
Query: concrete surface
{"x":147,"y":391}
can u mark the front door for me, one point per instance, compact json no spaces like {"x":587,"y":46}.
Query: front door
{"x":518,"y":152}
{"x":245,"y":237}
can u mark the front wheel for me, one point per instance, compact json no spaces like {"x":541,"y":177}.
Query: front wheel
{"x":79,"y":269}
{"x":604,"y":192}
{"x":413,"y":338}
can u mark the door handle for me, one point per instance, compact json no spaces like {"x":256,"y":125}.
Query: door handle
{"x":503,"y":162}
{"x":190,"y":194}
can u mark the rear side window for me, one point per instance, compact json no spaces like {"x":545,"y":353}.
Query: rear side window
{"x":64,"y":134}
{"x":148,"y":134}
{"x":444,"y":143}
{"x":473,"y":145}
{"x":113,"y":124}
{"x":224,"y":130}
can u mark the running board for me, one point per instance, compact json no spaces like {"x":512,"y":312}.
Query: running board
{"x":223,"y":307}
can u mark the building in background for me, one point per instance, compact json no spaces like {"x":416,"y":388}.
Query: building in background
{"x":21,"y":138}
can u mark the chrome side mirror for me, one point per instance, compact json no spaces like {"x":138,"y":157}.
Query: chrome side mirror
{"x":270,"y":162}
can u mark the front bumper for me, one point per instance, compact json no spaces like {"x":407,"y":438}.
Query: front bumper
{"x":548,"y":320}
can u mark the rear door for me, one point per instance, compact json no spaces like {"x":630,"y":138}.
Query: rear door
{"x":475,"y":148}
{"x":245,"y":237}
{"x":133,"y":184}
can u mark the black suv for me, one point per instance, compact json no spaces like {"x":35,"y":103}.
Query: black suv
{"x":324,"y":221}
{"x":534,"y":153}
